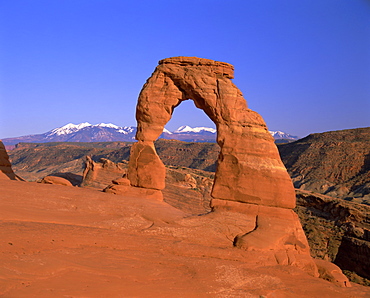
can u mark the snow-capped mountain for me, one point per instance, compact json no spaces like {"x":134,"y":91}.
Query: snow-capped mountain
{"x":188,"y":129}
{"x":279,"y":135}
{"x":207,"y":134}
{"x":83,"y":132}
{"x":72,"y":128}
{"x":68,"y":129}
{"x":108,"y":132}
{"x":167,"y":131}
{"x":191,"y":134}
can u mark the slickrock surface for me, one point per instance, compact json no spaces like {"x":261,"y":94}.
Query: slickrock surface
{"x":188,"y":190}
{"x":6,"y":171}
{"x":59,"y":241}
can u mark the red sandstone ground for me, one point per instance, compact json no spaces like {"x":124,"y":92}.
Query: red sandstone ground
{"x":60,"y":241}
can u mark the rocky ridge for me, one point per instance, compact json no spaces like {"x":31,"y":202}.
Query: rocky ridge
{"x":33,"y":161}
{"x":338,"y":231}
{"x":335,"y":163}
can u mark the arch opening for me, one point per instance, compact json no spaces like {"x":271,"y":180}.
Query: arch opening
{"x":187,"y":113}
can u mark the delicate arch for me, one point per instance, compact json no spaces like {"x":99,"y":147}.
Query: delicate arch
{"x":249,"y":168}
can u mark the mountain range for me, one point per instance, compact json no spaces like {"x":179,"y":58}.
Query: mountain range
{"x":108,"y":132}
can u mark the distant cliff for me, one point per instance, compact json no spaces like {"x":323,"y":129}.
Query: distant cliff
{"x":335,"y":163}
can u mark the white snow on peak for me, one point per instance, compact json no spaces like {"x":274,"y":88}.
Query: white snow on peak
{"x":109,"y":125}
{"x":186,"y":128}
{"x":282,"y":135}
{"x":72,"y":128}
{"x":125,"y":130}
{"x":167,"y":131}
{"x":183,"y":128}
{"x":69,"y":128}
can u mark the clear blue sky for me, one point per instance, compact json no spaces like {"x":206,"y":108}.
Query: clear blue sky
{"x":303,"y":65}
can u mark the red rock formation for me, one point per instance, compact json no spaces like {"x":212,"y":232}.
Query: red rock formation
{"x":249,"y":167}
{"x":56,"y":180}
{"x":146,"y":169}
{"x":332,"y":273}
{"x":6,"y":171}
{"x":100,"y":174}
{"x":121,"y":188}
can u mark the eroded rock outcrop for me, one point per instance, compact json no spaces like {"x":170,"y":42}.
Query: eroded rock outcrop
{"x":338,"y":230}
{"x":100,"y":174}
{"x":6,"y":171}
{"x":122,"y":186}
{"x":56,"y":180}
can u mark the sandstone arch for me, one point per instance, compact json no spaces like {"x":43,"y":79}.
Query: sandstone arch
{"x":250,"y":178}
{"x":249,"y":167}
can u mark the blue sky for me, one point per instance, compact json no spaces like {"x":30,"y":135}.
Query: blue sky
{"x":303,"y":65}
